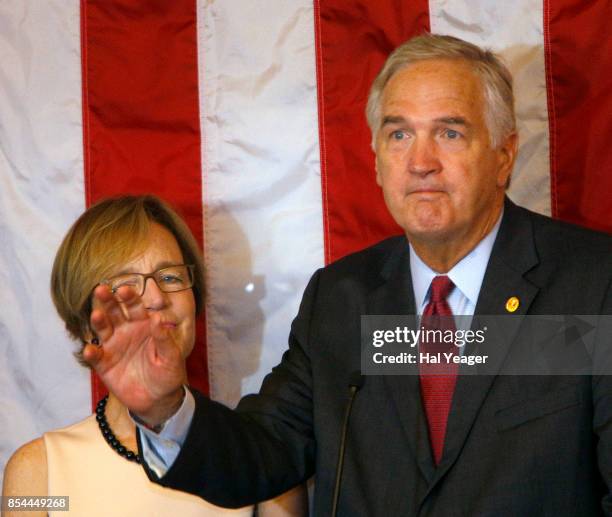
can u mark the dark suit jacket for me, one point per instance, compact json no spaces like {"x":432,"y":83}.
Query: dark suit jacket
{"x":515,"y":445}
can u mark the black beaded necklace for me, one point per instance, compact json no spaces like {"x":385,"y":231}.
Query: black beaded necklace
{"x":110,"y":437}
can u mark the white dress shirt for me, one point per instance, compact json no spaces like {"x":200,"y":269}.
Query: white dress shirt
{"x":467,"y":275}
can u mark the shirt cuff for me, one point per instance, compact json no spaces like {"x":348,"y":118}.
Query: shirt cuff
{"x":159,"y":450}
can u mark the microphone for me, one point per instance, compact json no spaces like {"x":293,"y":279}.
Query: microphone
{"x":355,"y":383}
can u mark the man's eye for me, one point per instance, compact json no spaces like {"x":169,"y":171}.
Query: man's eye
{"x":397,"y":135}
{"x":451,"y":134}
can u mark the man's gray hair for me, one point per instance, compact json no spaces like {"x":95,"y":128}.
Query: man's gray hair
{"x":496,"y":79}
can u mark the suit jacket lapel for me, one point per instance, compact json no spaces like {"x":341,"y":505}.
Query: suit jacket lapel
{"x":394,"y":295}
{"x":513,"y":255}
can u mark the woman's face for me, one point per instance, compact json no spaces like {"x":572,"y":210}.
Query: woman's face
{"x":176,"y":309}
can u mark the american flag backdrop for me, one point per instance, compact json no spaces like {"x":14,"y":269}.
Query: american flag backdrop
{"x":247,"y":116}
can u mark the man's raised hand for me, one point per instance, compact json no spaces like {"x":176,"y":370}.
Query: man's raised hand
{"x":138,"y":360}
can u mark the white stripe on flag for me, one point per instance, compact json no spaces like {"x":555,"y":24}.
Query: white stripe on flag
{"x":41,"y":193}
{"x":263,"y":234}
{"x":514,"y":29}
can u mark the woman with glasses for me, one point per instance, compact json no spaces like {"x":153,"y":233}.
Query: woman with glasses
{"x":121,"y":247}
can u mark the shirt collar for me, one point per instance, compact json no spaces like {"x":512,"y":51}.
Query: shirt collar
{"x":467,"y":274}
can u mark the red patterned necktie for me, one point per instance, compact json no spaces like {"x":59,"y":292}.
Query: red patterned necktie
{"x":438,"y":379}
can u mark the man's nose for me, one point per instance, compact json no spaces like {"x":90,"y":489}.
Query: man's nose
{"x":153,"y":297}
{"x":423,"y":156}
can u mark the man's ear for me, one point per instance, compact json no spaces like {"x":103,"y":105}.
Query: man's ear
{"x":377,"y":169}
{"x":506,"y":157}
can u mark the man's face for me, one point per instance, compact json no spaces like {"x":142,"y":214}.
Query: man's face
{"x":441,"y":179}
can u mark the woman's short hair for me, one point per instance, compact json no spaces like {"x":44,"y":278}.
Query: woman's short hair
{"x":107,"y":235}
{"x":496,"y":79}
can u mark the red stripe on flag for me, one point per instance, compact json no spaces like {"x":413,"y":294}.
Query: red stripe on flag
{"x":141,"y":115}
{"x":578,"y":63}
{"x":353,"y":40}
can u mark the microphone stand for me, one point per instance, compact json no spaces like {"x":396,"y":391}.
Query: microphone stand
{"x":356,"y":381}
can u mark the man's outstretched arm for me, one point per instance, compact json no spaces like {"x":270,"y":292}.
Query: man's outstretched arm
{"x":236,"y":458}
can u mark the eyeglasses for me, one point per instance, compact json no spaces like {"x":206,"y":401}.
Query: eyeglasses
{"x":169,"y":279}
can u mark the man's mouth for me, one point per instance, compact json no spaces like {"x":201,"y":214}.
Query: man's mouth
{"x":426,"y":190}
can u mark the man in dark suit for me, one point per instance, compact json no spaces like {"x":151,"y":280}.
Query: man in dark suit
{"x":441,"y":113}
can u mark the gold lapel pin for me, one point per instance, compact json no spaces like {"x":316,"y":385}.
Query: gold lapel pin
{"x":512,"y":304}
